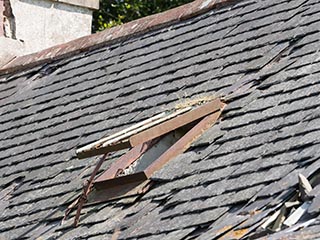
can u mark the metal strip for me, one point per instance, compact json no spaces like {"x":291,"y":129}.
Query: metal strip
{"x":125,"y":160}
{"x":176,"y":122}
{"x":87,"y":189}
{"x":183,"y":143}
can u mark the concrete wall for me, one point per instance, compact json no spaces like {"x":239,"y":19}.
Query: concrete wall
{"x":41,"y":24}
{"x":9,"y":49}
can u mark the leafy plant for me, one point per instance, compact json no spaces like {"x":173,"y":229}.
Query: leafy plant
{"x":117,"y":12}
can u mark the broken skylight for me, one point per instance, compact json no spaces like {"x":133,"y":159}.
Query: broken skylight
{"x":152,"y":143}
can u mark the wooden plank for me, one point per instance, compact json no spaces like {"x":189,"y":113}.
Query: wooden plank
{"x":125,"y":160}
{"x":176,"y":122}
{"x":103,"y":150}
{"x":98,"y":143}
{"x":144,"y":127}
{"x":101,"y":146}
{"x":271,"y":219}
{"x":183,"y":143}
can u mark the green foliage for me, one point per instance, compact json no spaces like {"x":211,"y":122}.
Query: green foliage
{"x":116,"y":12}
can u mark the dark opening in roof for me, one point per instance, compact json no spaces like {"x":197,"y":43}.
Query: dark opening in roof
{"x":153,"y":143}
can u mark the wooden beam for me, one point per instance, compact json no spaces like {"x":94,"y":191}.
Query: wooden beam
{"x":103,"y":150}
{"x":144,"y":127}
{"x":176,"y":122}
{"x":98,"y":143}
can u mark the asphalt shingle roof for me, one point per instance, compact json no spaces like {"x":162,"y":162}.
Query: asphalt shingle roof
{"x":261,"y":57}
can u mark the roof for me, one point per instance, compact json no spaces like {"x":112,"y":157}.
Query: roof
{"x":260,"y":57}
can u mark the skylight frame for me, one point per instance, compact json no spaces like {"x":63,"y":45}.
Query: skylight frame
{"x":141,"y":137}
{"x":106,"y":180}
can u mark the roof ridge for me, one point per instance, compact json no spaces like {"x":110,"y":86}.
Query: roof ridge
{"x":110,"y":35}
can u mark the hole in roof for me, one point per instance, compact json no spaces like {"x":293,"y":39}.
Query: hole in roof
{"x":151,"y":143}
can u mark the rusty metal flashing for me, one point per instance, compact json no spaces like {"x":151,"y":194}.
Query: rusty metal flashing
{"x":112,"y":35}
{"x":119,"y":181}
{"x":87,"y":189}
{"x":109,"y":179}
